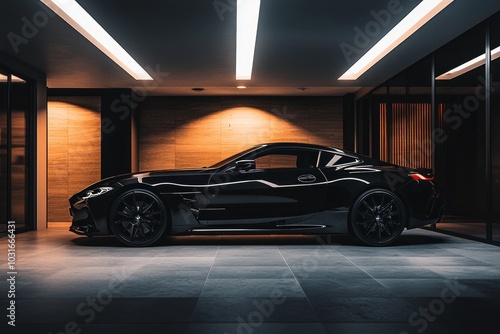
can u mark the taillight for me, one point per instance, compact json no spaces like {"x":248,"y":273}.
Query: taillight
{"x":420,"y":177}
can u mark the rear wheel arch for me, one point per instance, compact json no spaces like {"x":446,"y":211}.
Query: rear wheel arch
{"x":385,"y":196}
{"x":378,"y":186}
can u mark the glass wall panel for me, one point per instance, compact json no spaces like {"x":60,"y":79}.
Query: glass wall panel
{"x":460,"y":133}
{"x":363,"y":129}
{"x":495,"y":124}
{"x":435,"y":115}
{"x":3,"y":152}
{"x":406,"y":118}
{"x":15,"y":105}
{"x":19,"y":108}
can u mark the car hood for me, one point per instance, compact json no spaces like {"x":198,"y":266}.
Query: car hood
{"x":124,"y":179}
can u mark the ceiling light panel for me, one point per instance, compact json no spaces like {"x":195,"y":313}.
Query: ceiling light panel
{"x":469,"y":66}
{"x":419,"y":16}
{"x":71,"y":12}
{"x":247,"y":19}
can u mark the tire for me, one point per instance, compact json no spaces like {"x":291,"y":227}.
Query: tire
{"x":138,"y":218}
{"x":378,"y":217}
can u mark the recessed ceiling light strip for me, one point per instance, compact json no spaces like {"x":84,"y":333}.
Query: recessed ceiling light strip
{"x":71,"y":12}
{"x":247,"y":19}
{"x":469,"y":66}
{"x":419,"y":16}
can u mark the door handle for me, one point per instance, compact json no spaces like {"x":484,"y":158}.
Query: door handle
{"x":306,"y":178}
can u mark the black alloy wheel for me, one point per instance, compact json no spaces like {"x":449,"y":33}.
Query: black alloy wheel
{"x":378,"y":217}
{"x":138,"y":218}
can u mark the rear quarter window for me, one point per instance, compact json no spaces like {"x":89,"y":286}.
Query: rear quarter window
{"x":330,"y":159}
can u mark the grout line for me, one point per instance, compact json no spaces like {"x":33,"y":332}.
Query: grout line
{"x":295,"y":277}
{"x":204,"y":284}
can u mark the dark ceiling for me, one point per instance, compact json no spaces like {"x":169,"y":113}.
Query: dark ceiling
{"x":298,"y":43}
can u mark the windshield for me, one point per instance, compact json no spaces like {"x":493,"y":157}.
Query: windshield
{"x":235,"y":156}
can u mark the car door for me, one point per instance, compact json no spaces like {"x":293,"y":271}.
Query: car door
{"x":283,"y":183}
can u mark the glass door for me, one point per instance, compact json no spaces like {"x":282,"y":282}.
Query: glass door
{"x":15,"y":104}
{"x":19,"y":102}
{"x":3,"y":152}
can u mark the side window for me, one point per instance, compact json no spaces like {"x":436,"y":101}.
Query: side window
{"x":330,"y":159}
{"x":287,"y":158}
{"x":276,"y":161}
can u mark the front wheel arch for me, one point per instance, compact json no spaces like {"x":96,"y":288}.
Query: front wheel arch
{"x":138,"y":217}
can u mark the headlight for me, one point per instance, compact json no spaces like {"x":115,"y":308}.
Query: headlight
{"x":96,"y":192}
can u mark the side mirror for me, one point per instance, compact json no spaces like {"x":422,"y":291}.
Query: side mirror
{"x":244,"y":165}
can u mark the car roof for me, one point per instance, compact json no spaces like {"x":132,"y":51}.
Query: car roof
{"x":304,"y":145}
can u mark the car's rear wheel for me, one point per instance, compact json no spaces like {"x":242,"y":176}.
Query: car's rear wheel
{"x":378,"y":217}
{"x":138,"y":218}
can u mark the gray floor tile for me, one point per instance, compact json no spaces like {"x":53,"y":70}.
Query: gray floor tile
{"x":255,"y":328}
{"x":247,"y":287}
{"x":83,"y":328}
{"x":316,"y":252}
{"x":379,"y":272}
{"x":60,"y":289}
{"x":172,"y":272}
{"x":463,"y":272}
{"x":215,"y":284}
{"x":79,"y":272}
{"x":462,"y":310}
{"x":310,"y":270}
{"x":332,"y":287}
{"x":179,"y":262}
{"x":161,"y":288}
{"x":44,"y":311}
{"x":244,"y":251}
{"x":361,"y":309}
{"x":445,"y":261}
{"x":317,"y":260}
{"x":253,"y":310}
{"x":189,"y":251}
{"x":488,"y":287}
{"x":385,"y":328}
{"x":248,"y":261}
{"x":379,"y":260}
{"x":147,"y":310}
{"x":243,"y":272}
{"x":429,"y":288}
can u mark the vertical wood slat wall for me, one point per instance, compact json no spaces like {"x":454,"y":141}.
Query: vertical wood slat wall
{"x":411,"y":144}
{"x":74,"y":150}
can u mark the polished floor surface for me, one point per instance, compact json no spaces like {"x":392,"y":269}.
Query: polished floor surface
{"x":426,"y":283}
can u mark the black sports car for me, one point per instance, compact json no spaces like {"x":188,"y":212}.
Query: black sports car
{"x":269,"y":188}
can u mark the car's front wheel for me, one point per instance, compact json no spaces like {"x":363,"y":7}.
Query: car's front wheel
{"x":138,"y":218}
{"x":378,"y":217}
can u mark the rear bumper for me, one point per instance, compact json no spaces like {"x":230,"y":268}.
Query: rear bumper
{"x":433,"y":213}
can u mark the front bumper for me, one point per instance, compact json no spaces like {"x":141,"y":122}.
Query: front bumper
{"x":82,"y":222}
{"x":89,"y":216}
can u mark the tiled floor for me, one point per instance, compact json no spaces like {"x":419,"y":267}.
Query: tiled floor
{"x":426,"y":283}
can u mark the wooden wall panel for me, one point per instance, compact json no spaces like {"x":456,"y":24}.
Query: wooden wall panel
{"x":74,"y":150}
{"x":410,"y":145}
{"x":182,"y":132}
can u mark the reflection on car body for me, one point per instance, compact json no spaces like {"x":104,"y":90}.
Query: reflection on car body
{"x":270,"y":188}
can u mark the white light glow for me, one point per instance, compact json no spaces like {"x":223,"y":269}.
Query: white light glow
{"x":81,"y":21}
{"x":419,"y":16}
{"x":469,"y":66}
{"x":13,"y":78}
{"x":247,"y":19}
